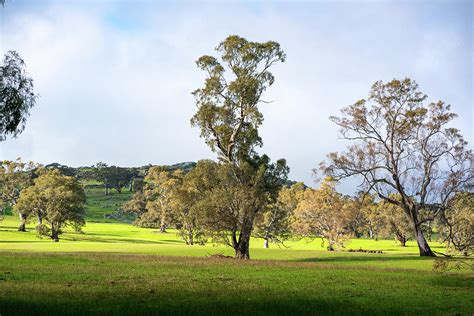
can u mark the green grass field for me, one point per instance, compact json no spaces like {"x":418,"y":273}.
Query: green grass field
{"x":116,"y":268}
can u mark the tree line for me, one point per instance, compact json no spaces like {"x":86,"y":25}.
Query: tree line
{"x":414,"y":168}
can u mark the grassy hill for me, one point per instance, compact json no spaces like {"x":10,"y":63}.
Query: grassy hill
{"x":100,"y":207}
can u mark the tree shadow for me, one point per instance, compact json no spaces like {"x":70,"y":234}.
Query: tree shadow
{"x":363,"y":258}
{"x":112,"y":240}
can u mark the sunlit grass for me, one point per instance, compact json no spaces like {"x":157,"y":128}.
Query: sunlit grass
{"x":116,"y":268}
{"x":125,"y":238}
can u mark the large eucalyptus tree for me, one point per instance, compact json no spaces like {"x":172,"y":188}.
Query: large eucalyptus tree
{"x":229,"y":117}
{"x":400,"y":145}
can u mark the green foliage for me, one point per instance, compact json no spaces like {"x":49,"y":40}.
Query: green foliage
{"x":113,"y":176}
{"x":395,"y":221}
{"x":56,"y":199}
{"x":16,"y":95}
{"x":15,"y":176}
{"x":228,"y":113}
{"x":458,"y":219}
{"x":274,"y":223}
{"x":325,"y":213}
{"x":228,"y":116}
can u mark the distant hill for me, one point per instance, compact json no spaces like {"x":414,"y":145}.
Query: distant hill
{"x":81,"y":172}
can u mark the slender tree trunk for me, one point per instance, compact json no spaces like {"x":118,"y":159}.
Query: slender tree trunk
{"x":22,"y":227}
{"x":54,"y":235}
{"x":190,"y":237}
{"x":330,"y":245}
{"x":265,"y":243}
{"x":371,"y":233}
{"x":40,"y":220}
{"x":162,"y":228}
{"x":401,"y":239}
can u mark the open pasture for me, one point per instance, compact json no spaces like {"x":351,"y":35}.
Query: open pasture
{"x":116,"y":268}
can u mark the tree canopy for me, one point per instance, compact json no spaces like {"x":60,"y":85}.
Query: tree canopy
{"x":16,"y":95}
{"x":59,"y":199}
{"x":400,"y":145}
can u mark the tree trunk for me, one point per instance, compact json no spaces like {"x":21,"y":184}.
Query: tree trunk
{"x":162,"y":228}
{"x":22,"y":227}
{"x":425,"y":250}
{"x":265,"y":243}
{"x":242,"y":250}
{"x":54,"y":233}
{"x":54,"y":236}
{"x":401,"y":239}
{"x":371,"y":233}
{"x":190,"y":240}
{"x":242,"y":247}
{"x":40,"y":220}
{"x":330,"y":245}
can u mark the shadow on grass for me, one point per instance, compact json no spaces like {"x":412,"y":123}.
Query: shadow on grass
{"x":22,"y":241}
{"x":192,"y":304}
{"x":363,"y":258}
{"x":113,"y":240}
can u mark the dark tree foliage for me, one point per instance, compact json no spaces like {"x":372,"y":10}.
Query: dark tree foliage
{"x":65,"y":170}
{"x":16,"y":95}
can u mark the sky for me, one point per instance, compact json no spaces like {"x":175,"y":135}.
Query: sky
{"x":115,"y":78}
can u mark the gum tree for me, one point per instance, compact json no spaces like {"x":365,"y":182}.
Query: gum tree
{"x":325,"y":213}
{"x":16,"y":176}
{"x":401,"y":145}
{"x":274,"y":223}
{"x":458,"y":223}
{"x":228,"y":116}
{"x":16,"y":95}
{"x":59,"y":198}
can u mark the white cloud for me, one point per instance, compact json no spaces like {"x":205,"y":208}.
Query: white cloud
{"x":115,"y":85}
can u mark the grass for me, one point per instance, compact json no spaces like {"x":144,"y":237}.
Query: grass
{"x":116,"y":268}
{"x":97,"y":284}
{"x":98,"y":205}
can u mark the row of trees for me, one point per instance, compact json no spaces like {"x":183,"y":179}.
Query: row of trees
{"x":197,"y":204}
{"x":114,"y":177}
{"x":204,"y":205}
{"x":54,"y":199}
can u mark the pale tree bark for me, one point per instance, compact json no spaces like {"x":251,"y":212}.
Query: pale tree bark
{"x":40,"y":220}
{"x":23,"y":218}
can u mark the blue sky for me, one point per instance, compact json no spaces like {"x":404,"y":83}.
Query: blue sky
{"x":115,"y":77}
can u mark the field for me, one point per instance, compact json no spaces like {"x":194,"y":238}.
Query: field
{"x":116,"y":268}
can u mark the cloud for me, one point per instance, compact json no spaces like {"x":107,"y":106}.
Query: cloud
{"x":115,"y":79}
